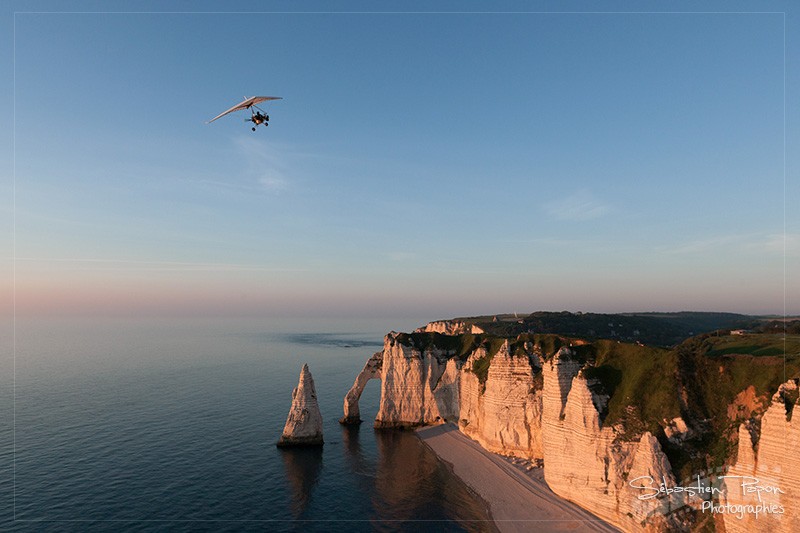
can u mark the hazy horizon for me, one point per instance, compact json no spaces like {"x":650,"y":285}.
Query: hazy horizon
{"x":419,"y":164}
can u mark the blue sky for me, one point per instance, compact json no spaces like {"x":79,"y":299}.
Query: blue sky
{"x":420,"y":164}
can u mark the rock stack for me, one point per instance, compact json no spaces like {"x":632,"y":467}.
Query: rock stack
{"x":304,"y":423}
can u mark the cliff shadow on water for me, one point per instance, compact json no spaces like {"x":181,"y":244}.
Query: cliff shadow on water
{"x":410,"y":476}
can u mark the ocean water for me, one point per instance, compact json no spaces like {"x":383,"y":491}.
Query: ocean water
{"x":152,"y":425}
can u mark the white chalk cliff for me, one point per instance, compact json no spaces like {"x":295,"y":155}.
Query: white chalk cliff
{"x":522,"y":407}
{"x":774,"y":461}
{"x":449,"y":327}
{"x":417,"y":387}
{"x":304,"y":422}
{"x":503,"y":414}
{"x":591,"y":465}
{"x":517,"y":401}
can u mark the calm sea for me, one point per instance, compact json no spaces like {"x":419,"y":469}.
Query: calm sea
{"x":171,"y":425}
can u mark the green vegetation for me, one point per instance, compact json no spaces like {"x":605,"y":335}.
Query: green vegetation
{"x":480,"y":367}
{"x":789,"y":327}
{"x":713,"y":370}
{"x":636,"y":376}
{"x":523,"y":346}
{"x":753,"y":344}
{"x":544,"y":345}
{"x":661,"y":329}
{"x":699,"y":322}
{"x":726,"y":365}
{"x":459,"y":346}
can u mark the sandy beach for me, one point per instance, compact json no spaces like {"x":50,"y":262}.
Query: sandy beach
{"x":519,"y":500}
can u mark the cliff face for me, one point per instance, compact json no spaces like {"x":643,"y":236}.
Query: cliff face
{"x":545,"y":402}
{"x":518,"y":405}
{"x":771,"y":464}
{"x":417,"y":386}
{"x":430,"y":385}
{"x":504,"y":413}
{"x":590,"y":465}
{"x":449,"y":327}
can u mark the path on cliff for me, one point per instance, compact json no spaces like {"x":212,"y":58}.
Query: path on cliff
{"x":518,"y":502}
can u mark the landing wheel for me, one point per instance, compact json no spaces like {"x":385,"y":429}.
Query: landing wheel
{"x":253,"y":129}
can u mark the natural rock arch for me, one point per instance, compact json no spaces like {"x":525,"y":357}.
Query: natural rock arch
{"x":372,"y":370}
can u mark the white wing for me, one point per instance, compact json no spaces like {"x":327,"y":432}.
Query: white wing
{"x":259,"y":99}
{"x":247,"y":103}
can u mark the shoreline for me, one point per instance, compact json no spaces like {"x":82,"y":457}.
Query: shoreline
{"x":517,"y":499}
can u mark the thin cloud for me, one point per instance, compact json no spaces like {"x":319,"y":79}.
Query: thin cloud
{"x":770,"y":244}
{"x":265,"y":164}
{"x":273,"y":183}
{"x":579,"y":206}
{"x":782,"y":243}
{"x":141,"y":265}
{"x":555,"y":242}
{"x":705,"y":245}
